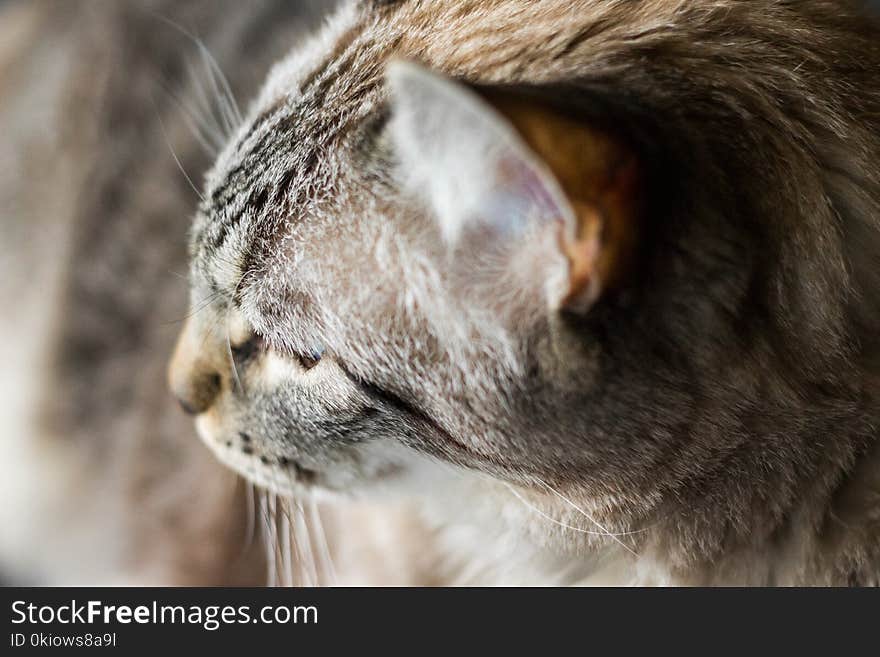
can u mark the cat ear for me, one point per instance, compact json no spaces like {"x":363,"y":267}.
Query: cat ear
{"x":507,"y":175}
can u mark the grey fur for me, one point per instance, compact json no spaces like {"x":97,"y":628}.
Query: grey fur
{"x":728,"y":399}
{"x":719,"y":416}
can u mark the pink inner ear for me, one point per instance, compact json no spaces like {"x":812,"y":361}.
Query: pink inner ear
{"x":521,"y":180}
{"x":584,"y":279}
{"x":525,"y":198}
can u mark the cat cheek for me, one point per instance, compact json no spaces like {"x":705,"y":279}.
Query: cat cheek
{"x":210,"y":426}
{"x":274,"y":370}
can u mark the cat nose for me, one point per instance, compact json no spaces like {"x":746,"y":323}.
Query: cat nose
{"x":193,"y":382}
{"x":197,"y":394}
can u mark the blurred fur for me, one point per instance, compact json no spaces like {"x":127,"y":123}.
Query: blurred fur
{"x":102,"y":481}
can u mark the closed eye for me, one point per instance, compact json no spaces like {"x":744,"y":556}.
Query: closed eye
{"x":255,"y":345}
{"x":310,"y":359}
{"x":395,"y":401}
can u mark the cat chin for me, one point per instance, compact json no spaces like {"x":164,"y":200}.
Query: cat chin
{"x":370,"y":471}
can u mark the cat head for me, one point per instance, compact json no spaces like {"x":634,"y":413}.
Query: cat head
{"x":408,"y":284}
{"x":459,"y":265}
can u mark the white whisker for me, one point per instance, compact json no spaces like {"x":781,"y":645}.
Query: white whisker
{"x":207,"y":109}
{"x":229,"y":110}
{"x":173,"y":154}
{"x":266,"y":513}
{"x":276,"y":546}
{"x":228,"y":107}
{"x":535,"y":509}
{"x":229,"y":307}
{"x":289,"y":554}
{"x":302,"y":529}
{"x":586,"y":515}
{"x":327,"y":566}
{"x":286,"y":553}
{"x":210,"y":138}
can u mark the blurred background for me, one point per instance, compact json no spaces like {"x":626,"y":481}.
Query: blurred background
{"x":110,"y":113}
{"x":104,"y":104}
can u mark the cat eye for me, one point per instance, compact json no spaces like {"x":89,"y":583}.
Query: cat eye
{"x":309,"y":360}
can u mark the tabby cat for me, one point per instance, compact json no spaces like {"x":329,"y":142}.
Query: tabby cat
{"x":595,"y":284}
{"x":559,"y":292}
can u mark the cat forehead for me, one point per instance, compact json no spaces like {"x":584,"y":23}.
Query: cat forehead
{"x":290,"y":154}
{"x":326,"y":87}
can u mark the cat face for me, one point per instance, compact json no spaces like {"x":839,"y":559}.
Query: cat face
{"x":395,"y":272}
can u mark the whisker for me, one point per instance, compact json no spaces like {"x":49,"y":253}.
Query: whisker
{"x":235,"y":376}
{"x":229,"y":306}
{"x":604,"y":530}
{"x":276,"y":546}
{"x":268,"y":539}
{"x":294,"y":533}
{"x":203,"y":102}
{"x":210,"y":62}
{"x":577,"y":508}
{"x":548,"y":517}
{"x":178,"y":274}
{"x":286,"y":558}
{"x":219,"y":257}
{"x":210,"y":137}
{"x":204,"y":303}
{"x":302,"y":529}
{"x":207,"y":108}
{"x":207,"y":333}
{"x":228,"y":108}
{"x":327,"y":565}
{"x":173,"y":153}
